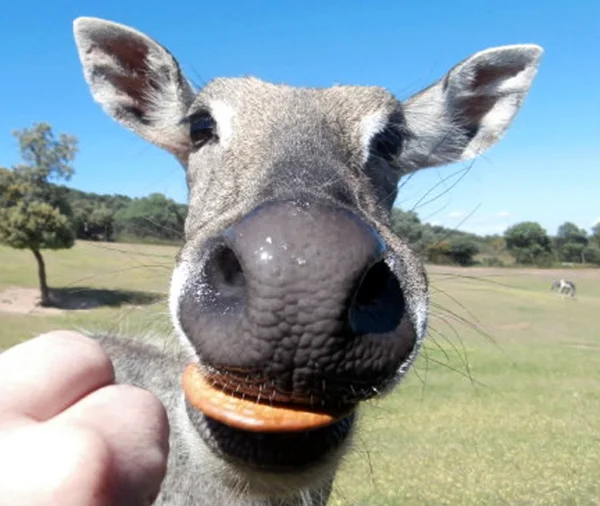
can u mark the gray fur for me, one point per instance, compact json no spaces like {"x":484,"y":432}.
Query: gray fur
{"x":282,"y":142}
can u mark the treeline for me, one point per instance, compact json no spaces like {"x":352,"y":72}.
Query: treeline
{"x":158,"y":219}
{"x":37,"y":214}
{"x":526,"y":243}
{"x":154,"y":218}
{"x":96,"y":217}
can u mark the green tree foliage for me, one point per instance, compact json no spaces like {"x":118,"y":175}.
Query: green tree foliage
{"x":570,"y":243}
{"x":154,"y":216}
{"x":118,"y":217}
{"x":462,"y":250}
{"x":101,"y":221}
{"x":529,"y":243}
{"x":33,"y":214}
{"x":407,"y":226}
{"x":591,"y":254}
{"x":496,"y":244}
{"x":93,"y":220}
{"x":435,"y":243}
{"x":596,"y":233}
{"x":438,"y":252}
{"x":44,"y":156}
{"x":94,"y":215}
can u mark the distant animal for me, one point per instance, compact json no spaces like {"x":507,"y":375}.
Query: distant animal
{"x":293,"y":299}
{"x":563,"y":287}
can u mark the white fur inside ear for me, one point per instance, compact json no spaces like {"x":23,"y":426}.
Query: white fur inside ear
{"x":223,"y":114}
{"x":136,"y":81}
{"x":167,"y":104}
{"x":370,"y":126}
{"x":464,"y":114}
{"x":493,"y":126}
{"x":511,"y":93}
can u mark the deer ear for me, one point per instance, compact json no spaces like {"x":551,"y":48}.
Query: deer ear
{"x":136,"y":80}
{"x":470,"y":109}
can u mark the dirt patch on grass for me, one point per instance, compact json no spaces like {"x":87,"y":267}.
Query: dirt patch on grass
{"x":18,"y":300}
{"x":24,"y":301}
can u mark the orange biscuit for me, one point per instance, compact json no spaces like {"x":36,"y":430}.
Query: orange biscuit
{"x":248,"y":414}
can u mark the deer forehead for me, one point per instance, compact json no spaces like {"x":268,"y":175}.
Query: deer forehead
{"x":251,"y":108}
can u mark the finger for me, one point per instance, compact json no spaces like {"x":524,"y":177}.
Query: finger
{"x":134,"y":424}
{"x":44,"y":376}
{"x":46,"y":465}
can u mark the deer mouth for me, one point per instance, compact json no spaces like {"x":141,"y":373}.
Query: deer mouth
{"x":241,"y":421}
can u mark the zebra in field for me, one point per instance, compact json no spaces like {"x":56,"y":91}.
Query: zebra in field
{"x":564,"y":287}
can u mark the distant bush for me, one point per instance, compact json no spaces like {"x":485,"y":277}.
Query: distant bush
{"x":154,"y":216}
{"x":592,"y":255}
{"x":492,"y":262}
{"x":463,"y":250}
{"x":529,"y":243}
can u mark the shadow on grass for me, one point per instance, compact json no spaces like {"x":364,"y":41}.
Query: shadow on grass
{"x":81,"y":297}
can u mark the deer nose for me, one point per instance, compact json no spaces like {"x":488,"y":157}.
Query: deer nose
{"x":298,"y":291}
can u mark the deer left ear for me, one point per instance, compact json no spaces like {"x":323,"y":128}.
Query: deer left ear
{"x":470,"y":109}
{"x":136,"y":81}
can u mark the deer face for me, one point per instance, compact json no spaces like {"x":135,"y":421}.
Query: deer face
{"x":290,"y":288}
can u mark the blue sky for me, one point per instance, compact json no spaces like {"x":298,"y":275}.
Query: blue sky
{"x":546,"y":169}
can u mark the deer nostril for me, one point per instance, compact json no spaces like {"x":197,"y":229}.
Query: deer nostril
{"x":224,"y":275}
{"x":228,"y":268}
{"x":378,"y":303}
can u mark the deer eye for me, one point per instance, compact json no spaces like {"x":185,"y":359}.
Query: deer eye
{"x":203,"y":129}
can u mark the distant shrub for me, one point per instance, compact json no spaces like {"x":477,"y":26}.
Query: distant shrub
{"x":592,"y":255}
{"x":492,"y":261}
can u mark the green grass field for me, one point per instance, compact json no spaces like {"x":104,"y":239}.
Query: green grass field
{"x":502,"y":407}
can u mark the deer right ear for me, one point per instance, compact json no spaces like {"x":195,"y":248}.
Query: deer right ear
{"x":470,"y":109}
{"x":136,"y":80}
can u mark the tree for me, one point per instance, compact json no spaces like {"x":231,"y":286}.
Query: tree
{"x":101,"y":222}
{"x":497,"y":244}
{"x":155,"y":216}
{"x":33,"y":214}
{"x":81,"y":212}
{"x":592,"y":254}
{"x":462,"y":250}
{"x":438,"y":252}
{"x":93,"y":220}
{"x":419,"y":236}
{"x":529,"y":243}
{"x":407,"y":226}
{"x":570,"y":243}
{"x":596,"y":233}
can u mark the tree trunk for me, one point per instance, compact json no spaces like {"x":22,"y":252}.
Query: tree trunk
{"x":45,"y":300}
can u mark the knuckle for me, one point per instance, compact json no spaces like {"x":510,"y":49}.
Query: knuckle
{"x":88,"y":350}
{"x":86,"y":466}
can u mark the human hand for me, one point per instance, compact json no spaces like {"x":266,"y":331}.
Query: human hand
{"x":69,"y":436}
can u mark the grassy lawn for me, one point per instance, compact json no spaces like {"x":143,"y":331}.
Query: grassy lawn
{"x":505,"y":414}
{"x":130,"y":281}
{"x":503,"y":406}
